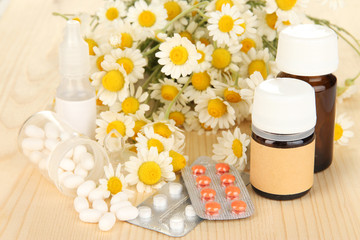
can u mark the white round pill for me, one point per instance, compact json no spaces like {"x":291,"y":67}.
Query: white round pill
{"x":100,"y":204}
{"x":120,"y":196}
{"x":50,"y":144}
{"x":51,"y":130}
{"x":80,"y":203}
{"x":67,"y":164}
{"x":160,"y":201}
{"x":175,"y":189}
{"x":36,"y":156}
{"x":34,"y":131}
{"x":107,"y":221}
{"x":97,"y":193}
{"x":189,"y":211}
{"x":144,"y":212}
{"x":80,"y":171}
{"x":32,"y":144}
{"x":87,"y":161}
{"x":177,"y":223}
{"x":127,"y":213}
{"x":72,"y":181}
{"x":115,"y":207}
{"x":85,"y":188}
{"x":90,"y":215}
{"x":78,"y":150}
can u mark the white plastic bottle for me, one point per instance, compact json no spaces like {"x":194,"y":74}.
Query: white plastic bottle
{"x":75,"y":97}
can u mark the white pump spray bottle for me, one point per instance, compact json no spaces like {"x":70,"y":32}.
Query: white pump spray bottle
{"x":75,"y":97}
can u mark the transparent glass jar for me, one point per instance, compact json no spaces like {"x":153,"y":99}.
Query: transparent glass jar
{"x":64,"y":156}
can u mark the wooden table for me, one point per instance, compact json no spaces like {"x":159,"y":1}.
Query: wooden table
{"x":32,"y":208}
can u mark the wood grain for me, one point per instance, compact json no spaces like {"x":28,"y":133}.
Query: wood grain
{"x":32,"y":208}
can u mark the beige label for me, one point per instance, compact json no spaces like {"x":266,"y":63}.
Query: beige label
{"x":282,"y":171}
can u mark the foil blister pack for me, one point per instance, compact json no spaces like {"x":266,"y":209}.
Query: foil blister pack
{"x":217,"y":191}
{"x":168,"y":211}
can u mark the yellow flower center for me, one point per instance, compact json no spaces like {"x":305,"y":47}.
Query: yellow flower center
{"x":138,"y":125}
{"x":271,"y":20}
{"x":113,"y":81}
{"x":206,"y":128}
{"x":247,"y":44}
{"x":169,"y":92}
{"x":220,"y":3}
{"x":178,"y":160}
{"x":187,"y":35}
{"x":204,"y":41}
{"x":237,"y":148}
{"x":118,"y":126}
{"x":162,"y":129}
{"x":221,"y":58}
{"x":126,"y":41}
{"x":149,"y":173}
{"x":216,"y":108}
{"x":126,"y":63}
{"x":99,"y":60}
{"x":338,"y":131}
{"x":232,"y":96}
{"x":112,"y":13}
{"x":77,"y":19}
{"x":155,"y":143}
{"x":173,"y":9}
{"x":286,"y":5}
{"x":146,"y":18}
{"x":179,"y":55}
{"x":202,"y":59}
{"x":178,"y":117}
{"x":99,"y":102}
{"x":287,"y":23}
{"x":226,"y":23}
{"x":258,"y":65}
{"x":200,"y":81}
{"x":92,"y":44}
{"x":130,"y":105}
{"x":114,"y":185}
{"x":133,"y":149}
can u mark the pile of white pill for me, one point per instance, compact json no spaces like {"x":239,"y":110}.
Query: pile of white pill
{"x":92,"y":206}
{"x":38,"y":144}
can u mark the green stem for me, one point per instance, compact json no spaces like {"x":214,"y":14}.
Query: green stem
{"x":350,"y":81}
{"x":269,"y":45}
{"x":236,"y":76}
{"x":201,"y":13}
{"x":153,"y":74}
{"x":60,"y":15}
{"x":152,"y":50}
{"x":184,"y":13}
{"x":167,"y":113}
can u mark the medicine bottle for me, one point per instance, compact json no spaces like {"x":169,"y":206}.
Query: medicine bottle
{"x":309,"y":52}
{"x":282,"y":143}
{"x":64,"y":156}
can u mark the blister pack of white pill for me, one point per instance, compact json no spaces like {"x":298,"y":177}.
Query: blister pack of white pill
{"x":168,"y":211}
{"x":216,"y":190}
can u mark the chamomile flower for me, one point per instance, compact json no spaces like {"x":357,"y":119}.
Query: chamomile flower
{"x":251,"y":83}
{"x":99,"y":56}
{"x":111,"y":120}
{"x":214,"y":111}
{"x":256,"y":61}
{"x":115,"y":181}
{"x":174,"y":8}
{"x":92,"y":40}
{"x":225,"y":59}
{"x":131,"y":60}
{"x":251,"y":42}
{"x":216,"y":5}
{"x":148,"y":18}
{"x":287,"y":10}
{"x":149,"y":170}
{"x":123,"y":35}
{"x":178,"y":113}
{"x":342,"y":131}
{"x":166,"y":90}
{"x":140,"y":121}
{"x":231,"y":148}
{"x":200,"y":83}
{"x":148,"y":139}
{"x":85,"y":22}
{"x":249,"y":24}
{"x":204,"y":62}
{"x":191,"y":32}
{"x":225,"y":25}
{"x":112,"y":83}
{"x":111,"y":11}
{"x":134,"y":103}
{"x":267,"y":24}
{"x":178,"y":56}
{"x":178,"y":160}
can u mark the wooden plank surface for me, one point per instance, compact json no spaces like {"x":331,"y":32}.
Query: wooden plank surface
{"x":32,"y":208}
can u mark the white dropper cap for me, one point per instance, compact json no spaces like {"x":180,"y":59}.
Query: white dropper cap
{"x":284,"y":106}
{"x":73,"y":51}
{"x":307,"y":50}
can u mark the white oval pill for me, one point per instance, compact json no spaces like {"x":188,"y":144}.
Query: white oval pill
{"x":120,"y":196}
{"x":175,"y":189}
{"x":51,"y":130}
{"x":97,"y":193}
{"x":160,"y":201}
{"x":115,"y":207}
{"x":100,"y":205}
{"x":80,"y":203}
{"x":67,"y":164}
{"x":78,"y":150}
{"x":50,"y":144}
{"x":36,"y":156}
{"x":34,"y":131}
{"x":90,"y":215}
{"x":85,"y":188}
{"x":80,"y":171}
{"x":189,"y":211}
{"x":127,"y":213}
{"x":144,"y":212}
{"x":32,"y":144}
{"x":72,"y":181}
{"x":107,"y":221}
{"x":87,"y":161}
{"x":177,"y":223}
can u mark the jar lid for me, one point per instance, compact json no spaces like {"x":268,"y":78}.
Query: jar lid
{"x":307,"y":50}
{"x":284,"y":106}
